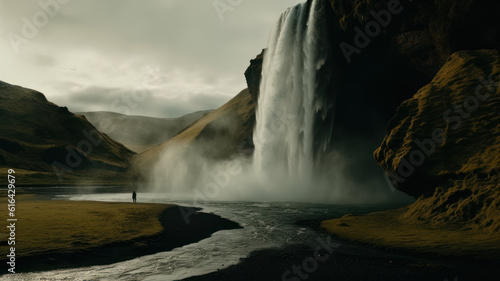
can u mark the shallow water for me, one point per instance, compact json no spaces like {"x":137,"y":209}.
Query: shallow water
{"x":265,"y":225}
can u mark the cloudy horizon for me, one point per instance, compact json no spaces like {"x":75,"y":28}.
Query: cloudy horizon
{"x":154,"y":58}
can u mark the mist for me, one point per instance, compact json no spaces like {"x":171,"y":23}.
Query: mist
{"x":184,"y":173}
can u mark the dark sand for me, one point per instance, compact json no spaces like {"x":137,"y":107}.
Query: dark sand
{"x":176,"y":234}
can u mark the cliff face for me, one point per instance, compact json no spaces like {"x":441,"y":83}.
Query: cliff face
{"x":51,"y":145}
{"x":253,"y":75}
{"x":443,"y":144}
{"x":427,"y":32}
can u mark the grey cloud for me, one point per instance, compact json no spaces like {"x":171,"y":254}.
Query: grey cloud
{"x":95,"y":43}
{"x":124,"y":101}
{"x":45,"y":60}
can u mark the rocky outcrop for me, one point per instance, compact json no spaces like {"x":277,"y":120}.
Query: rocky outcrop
{"x":443,"y":144}
{"x":52,"y":145}
{"x":253,"y":75}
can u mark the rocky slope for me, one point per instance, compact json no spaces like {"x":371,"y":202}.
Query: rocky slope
{"x":140,"y":133}
{"x":443,"y":144}
{"x":47,"y":144}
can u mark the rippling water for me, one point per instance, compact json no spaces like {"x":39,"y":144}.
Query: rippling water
{"x":265,"y":225}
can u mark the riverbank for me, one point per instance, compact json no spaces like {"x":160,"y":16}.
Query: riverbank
{"x":66,"y":234}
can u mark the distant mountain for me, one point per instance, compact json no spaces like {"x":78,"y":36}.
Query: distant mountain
{"x":48,"y":145}
{"x":140,"y":133}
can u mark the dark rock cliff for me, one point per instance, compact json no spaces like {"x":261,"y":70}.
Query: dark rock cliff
{"x":253,"y":75}
{"x":443,"y":144}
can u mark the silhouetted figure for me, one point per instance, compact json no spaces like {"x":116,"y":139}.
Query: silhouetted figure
{"x":134,"y":197}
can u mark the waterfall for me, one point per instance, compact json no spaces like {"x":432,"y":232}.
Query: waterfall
{"x":292,"y":160}
{"x":289,"y":100}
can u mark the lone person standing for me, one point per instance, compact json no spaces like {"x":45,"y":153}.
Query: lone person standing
{"x":134,"y":197}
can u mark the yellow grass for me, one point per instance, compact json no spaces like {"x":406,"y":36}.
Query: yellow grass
{"x":67,"y":226}
{"x":387,"y":230}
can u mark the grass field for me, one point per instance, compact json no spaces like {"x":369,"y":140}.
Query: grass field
{"x":69,"y":226}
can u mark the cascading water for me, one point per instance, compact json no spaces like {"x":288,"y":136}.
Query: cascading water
{"x":289,"y":100}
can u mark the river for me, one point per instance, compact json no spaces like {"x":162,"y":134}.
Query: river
{"x":265,"y":225}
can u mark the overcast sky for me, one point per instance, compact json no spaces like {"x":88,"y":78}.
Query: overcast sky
{"x":161,"y":58}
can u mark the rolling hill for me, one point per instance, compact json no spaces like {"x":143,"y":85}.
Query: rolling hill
{"x":48,"y":145}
